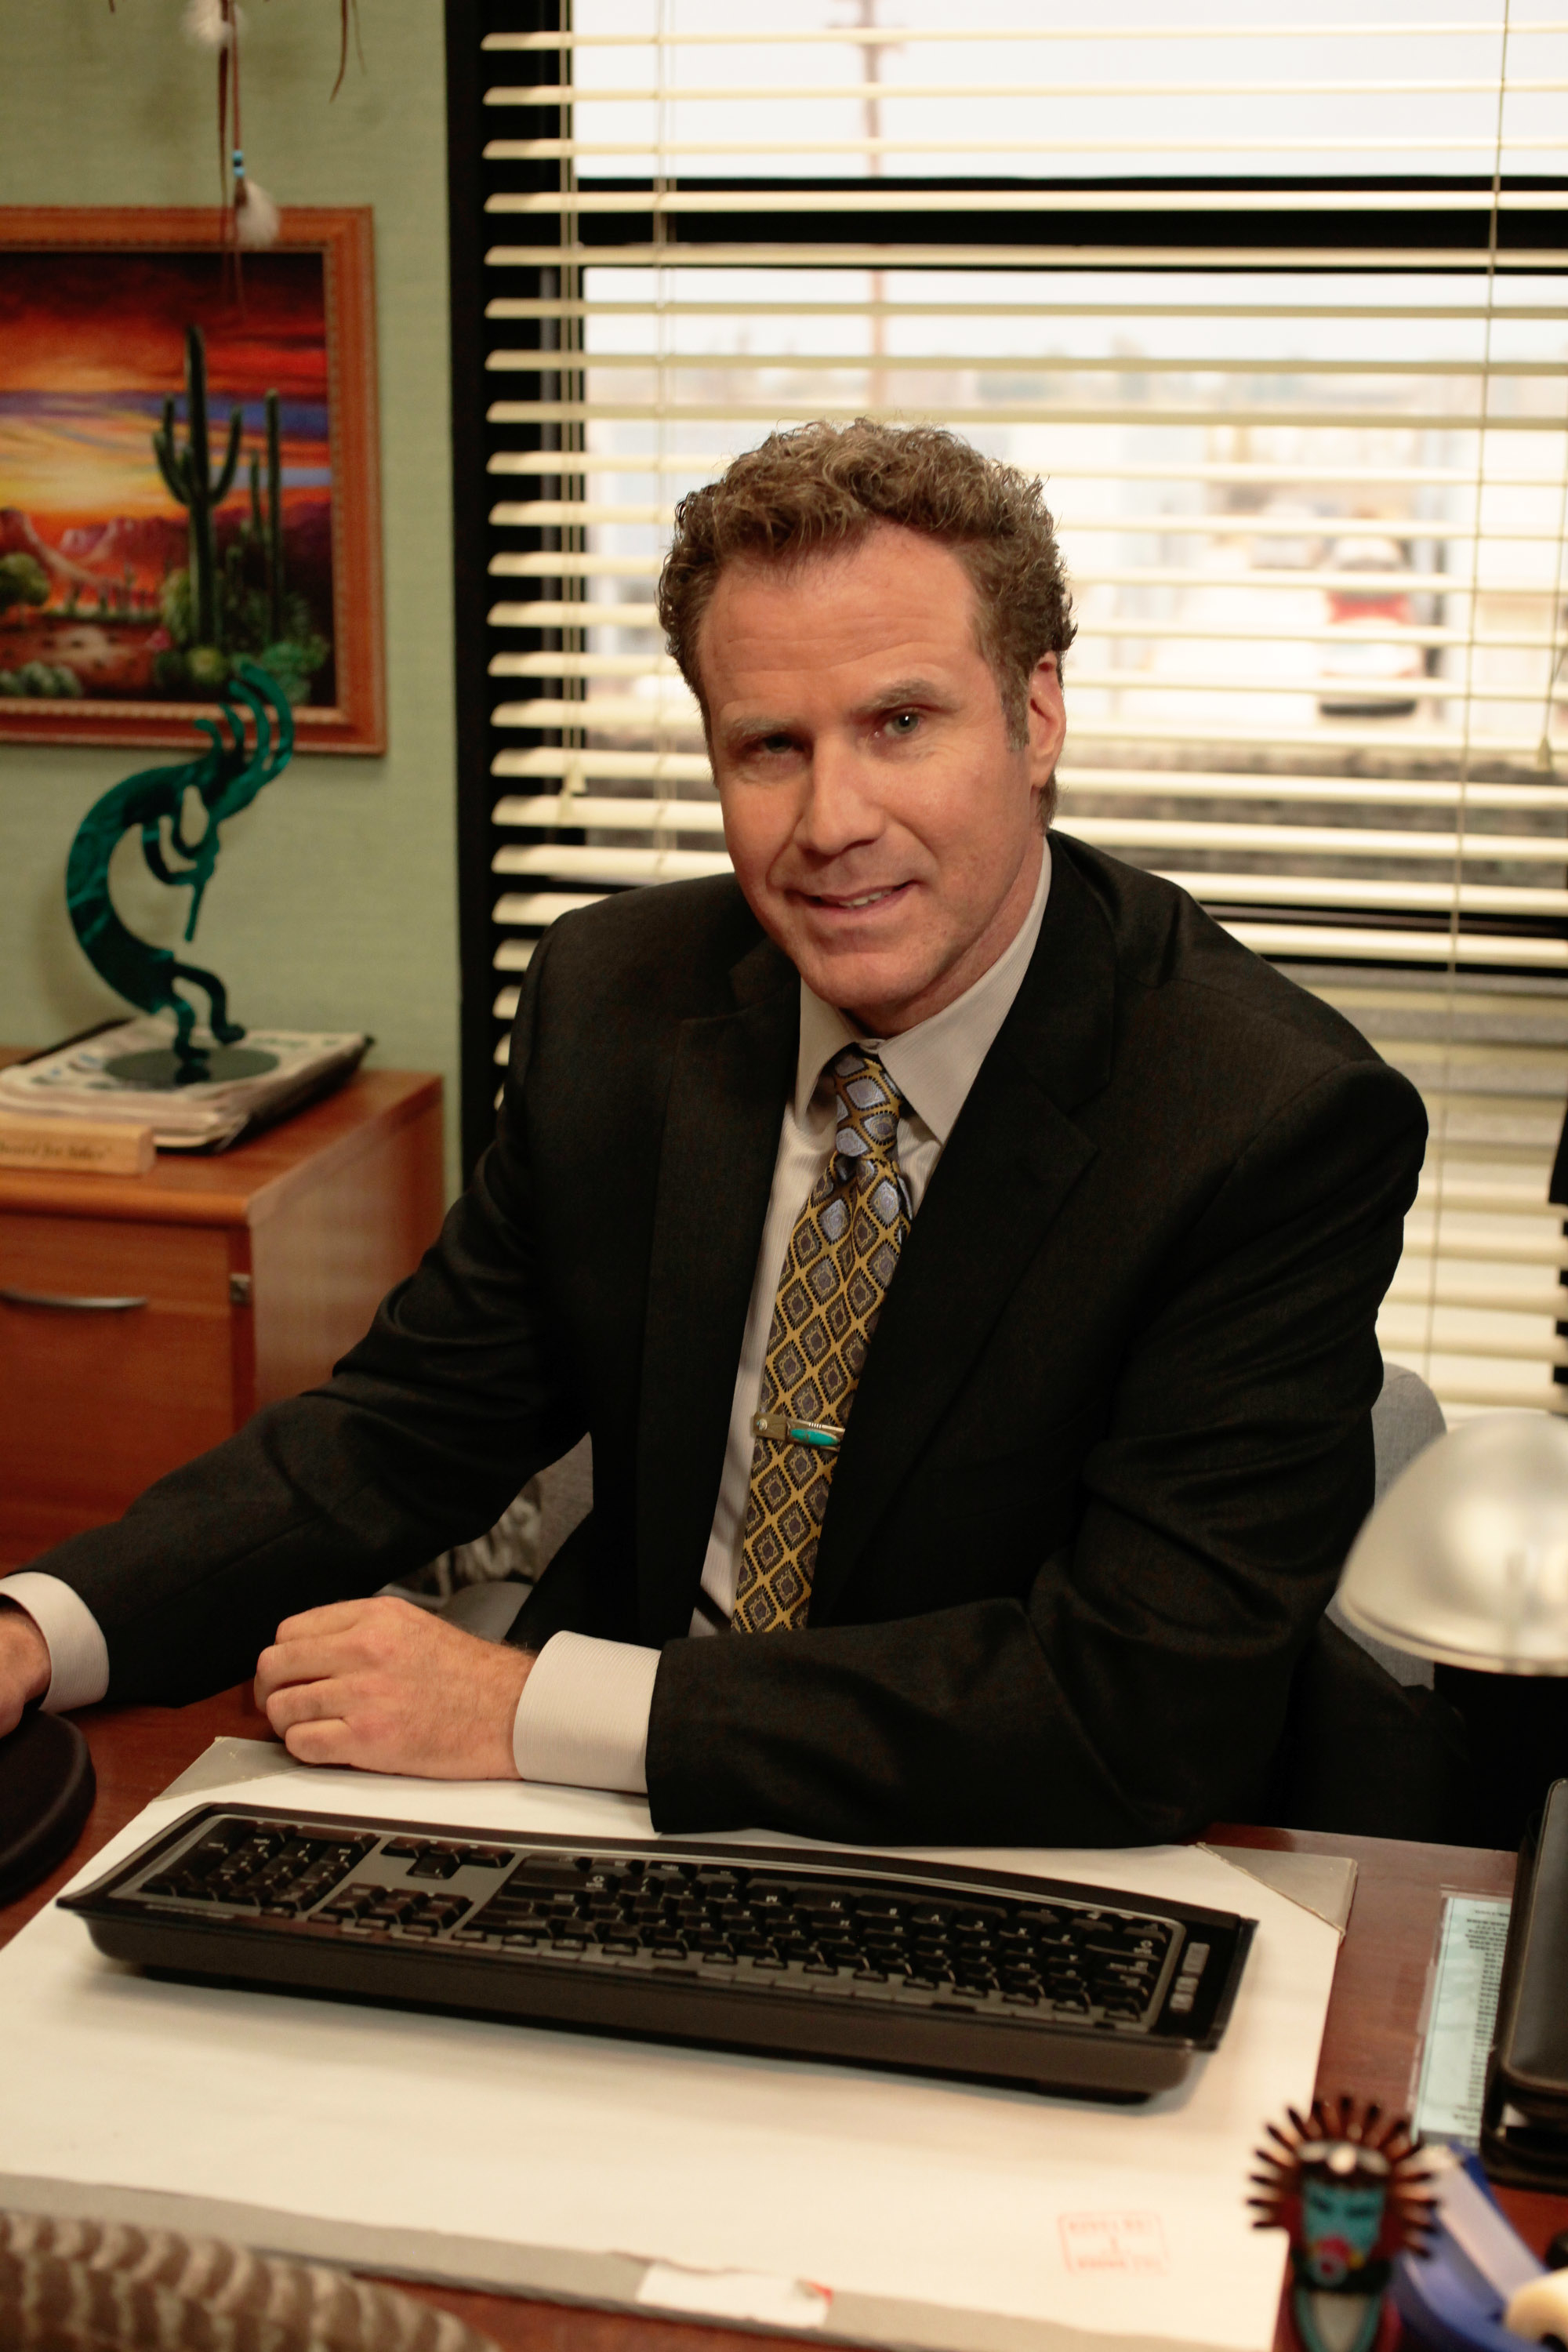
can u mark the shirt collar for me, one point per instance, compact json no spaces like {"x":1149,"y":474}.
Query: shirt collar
{"x":935,"y":1064}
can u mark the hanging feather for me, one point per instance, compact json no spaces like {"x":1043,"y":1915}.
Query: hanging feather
{"x":256,"y":216}
{"x":209,"y":23}
{"x":348,"y":8}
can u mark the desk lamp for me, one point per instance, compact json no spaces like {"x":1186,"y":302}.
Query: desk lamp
{"x":1466,"y":1561}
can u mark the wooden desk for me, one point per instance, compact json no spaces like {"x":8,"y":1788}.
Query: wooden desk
{"x":240,"y":1280}
{"x":1368,"y":2046}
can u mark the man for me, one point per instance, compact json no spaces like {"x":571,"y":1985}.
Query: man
{"x":963,"y":1255}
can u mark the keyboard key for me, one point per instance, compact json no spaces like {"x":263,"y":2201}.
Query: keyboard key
{"x":544,"y":1872}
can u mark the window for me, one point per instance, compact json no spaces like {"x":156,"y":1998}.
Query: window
{"x":1306,"y":438}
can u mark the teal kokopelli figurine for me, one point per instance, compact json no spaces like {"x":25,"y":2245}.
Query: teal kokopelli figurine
{"x":225,"y":778}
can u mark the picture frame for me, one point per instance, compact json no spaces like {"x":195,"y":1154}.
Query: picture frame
{"x":121,"y":608}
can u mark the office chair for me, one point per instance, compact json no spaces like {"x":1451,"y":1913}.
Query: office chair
{"x":1405,"y":1420}
{"x":481,"y":1585}
{"x":1371,"y":1748}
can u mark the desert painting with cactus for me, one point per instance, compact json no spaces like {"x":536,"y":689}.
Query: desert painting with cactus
{"x":166,"y":484}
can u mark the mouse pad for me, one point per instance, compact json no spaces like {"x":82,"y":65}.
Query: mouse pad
{"x":47,"y":1788}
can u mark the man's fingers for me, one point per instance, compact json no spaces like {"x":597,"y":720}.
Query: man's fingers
{"x":349,"y":1634}
{"x":334,"y":1617}
{"x":305,"y":1662}
{"x":309,"y":1702}
{"x":24,"y":1664}
{"x":328,"y":1741}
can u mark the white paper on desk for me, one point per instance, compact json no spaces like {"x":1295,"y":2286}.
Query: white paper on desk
{"x":1125,"y":2221}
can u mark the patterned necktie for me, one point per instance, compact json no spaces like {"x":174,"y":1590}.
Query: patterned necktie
{"x":841,"y":1258}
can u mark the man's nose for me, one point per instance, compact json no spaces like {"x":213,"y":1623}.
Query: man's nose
{"x":839,"y":808}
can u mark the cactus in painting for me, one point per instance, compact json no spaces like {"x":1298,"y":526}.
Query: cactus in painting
{"x":275,"y":619}
{"x":192,"y":483}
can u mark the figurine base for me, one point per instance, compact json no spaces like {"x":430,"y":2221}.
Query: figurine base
{"x":162,"y":1068}
{"x":1338,"y":2322}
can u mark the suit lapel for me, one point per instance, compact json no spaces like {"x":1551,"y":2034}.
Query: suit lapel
{"x":1013,"y":1158}
{"x":732,"y":1076}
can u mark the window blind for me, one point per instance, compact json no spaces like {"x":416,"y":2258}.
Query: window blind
{"x":1306,"y":441}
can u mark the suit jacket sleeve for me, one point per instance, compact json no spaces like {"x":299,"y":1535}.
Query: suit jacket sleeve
{"x":1138,"y":1689}
{"x":460,"y":1392}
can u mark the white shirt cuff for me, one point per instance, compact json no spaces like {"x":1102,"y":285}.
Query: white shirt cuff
{"x":583,"y":1714}
{"x":78,"y":1654}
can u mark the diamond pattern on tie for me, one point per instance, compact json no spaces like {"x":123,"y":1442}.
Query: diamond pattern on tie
{"x":841,"y":1258}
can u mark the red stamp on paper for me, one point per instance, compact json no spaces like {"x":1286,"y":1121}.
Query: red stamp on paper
{"x":1130,"y":2243}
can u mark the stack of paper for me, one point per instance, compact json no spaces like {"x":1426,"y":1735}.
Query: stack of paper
{"x":74,"y":1082}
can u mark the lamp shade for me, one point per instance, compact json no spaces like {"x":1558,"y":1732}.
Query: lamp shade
{"x":1466,"y":1558}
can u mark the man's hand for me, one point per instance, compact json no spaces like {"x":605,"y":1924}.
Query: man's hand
{"x":24,"y":1668}
{"x":387,"y":1687}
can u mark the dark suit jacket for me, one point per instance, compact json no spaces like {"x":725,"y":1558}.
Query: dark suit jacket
{"x":1109,"y":1447}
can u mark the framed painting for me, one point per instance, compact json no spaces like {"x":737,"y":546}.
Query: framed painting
{"x":189,"y":472}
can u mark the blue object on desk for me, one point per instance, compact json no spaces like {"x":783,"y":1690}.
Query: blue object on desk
{"x":1454,"y":2296}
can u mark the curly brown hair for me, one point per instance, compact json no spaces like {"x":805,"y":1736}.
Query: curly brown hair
{"x":822,"y":488}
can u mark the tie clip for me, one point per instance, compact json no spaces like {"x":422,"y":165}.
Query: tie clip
{"x":799,"y":1433}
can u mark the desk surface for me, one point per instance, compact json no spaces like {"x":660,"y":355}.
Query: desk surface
{"x":247,"y":1184}
{"x":1369,"y":2043}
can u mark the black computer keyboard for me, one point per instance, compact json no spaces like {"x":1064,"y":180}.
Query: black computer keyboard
{"x":792,"y":1949}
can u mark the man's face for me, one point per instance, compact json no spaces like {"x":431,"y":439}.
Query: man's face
{"x":882,"y":827}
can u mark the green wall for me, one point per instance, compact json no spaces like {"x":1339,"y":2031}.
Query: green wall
{"x":335,"y":901}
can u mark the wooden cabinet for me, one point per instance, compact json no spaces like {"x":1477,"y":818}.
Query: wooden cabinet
{"x":144,"y":1318}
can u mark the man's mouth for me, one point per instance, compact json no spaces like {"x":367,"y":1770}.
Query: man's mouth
{"x":861,"y":899}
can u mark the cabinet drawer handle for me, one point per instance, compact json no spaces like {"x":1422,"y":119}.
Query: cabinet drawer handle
{"x":63,"y":1303}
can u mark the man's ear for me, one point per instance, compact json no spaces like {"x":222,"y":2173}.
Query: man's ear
{"x":1047,"y":720}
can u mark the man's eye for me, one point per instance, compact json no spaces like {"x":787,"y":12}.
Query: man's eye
{"x":904,"y":722}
